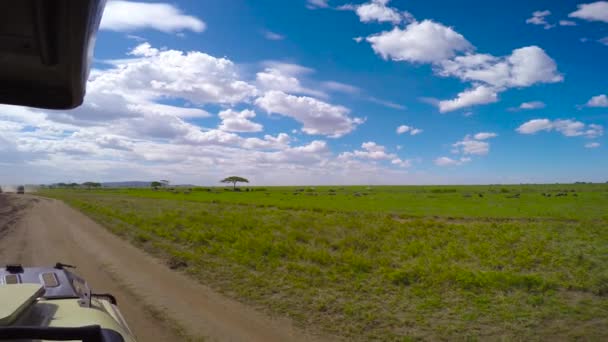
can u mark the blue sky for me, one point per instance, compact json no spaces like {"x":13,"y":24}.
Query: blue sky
{"x":324,"y":92}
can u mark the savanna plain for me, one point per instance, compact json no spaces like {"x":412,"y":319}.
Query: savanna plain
{"x":496,"y":262}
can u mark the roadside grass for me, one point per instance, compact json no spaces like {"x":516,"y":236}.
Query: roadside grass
{"x":380,"y":275}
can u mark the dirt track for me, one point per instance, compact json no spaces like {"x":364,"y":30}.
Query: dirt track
{"x":40,"y":231}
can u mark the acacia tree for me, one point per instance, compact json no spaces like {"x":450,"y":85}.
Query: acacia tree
{"x":234,"y":180}
{"x":155,"y":185}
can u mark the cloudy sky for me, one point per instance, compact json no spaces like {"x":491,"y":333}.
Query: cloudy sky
{"x":330,"y":92}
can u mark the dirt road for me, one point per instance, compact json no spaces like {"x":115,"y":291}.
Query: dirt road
{"x":40,"y":231}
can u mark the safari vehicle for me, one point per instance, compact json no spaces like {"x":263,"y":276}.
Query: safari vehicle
{"x":52,"y":303}
{"x":45,"y":54}
{"x":21,"y":189}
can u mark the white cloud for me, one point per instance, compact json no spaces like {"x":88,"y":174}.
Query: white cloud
{"x":422,"y":42}
{"x":273,"y":35}
{"x":386,"y":103}
{"x":524,"y":67}
{"x":233,"y":121}
{"x":131,"y":16}
{"x":126,"y":126}
{"x":478,"y":95}
{"x":592,"y":145}
{"x":538,"y":18}
{"x":288,"y":68}
{"x":568,"y":128}
{"x":484,"y":135}
{"x":376,"y":10}
{"x":534,"y":126}
{"x":283,"y":77}
{"x":136,"y":38}
{"x":134,"y":88}
{"x":358,"y":39}
{"x":532,"y":105}
{"x":595,"y":11}
{"x":430,"y":42}
{"x":280,"y":142}
{"x":317,"y":117}
{"x":372,"y":151}
{"x":598,"y":101}
{"x":408,"y":129}
{"x":340,"y":87}
{"x":472,"y":146}
{"x":401,"y":163}
{"x":567,"y":23}
{"x":313,"y":4}
{"x":195,"y":76}
{"x":446,"y":161}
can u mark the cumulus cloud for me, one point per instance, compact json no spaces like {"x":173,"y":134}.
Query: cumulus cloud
{"x":478,"y":95}
{"x":568,"y":128}
{"x":592,"y":145}
{"x":535,"y":125}
{"x":284,"y":77}
{"x":233,"y":121}
{"x":484,"y":135}
{"x":419,"y":42}
{"x":451,"y":54}
{"x":567,"y":23}
{"x":598,"y":101}
{"x":532,"y":105}
{"x":129,"y":16}
{"x":539,"y":18}
{"x":373,"y":151}
{"x":447,"y":161}
{"x":317,"y":117}
{"x":474,"y":145}
{"x":136,"y":120}
{"x":408,"y":129}
{"x":401,"y":163}
{"x":522,"y":68}
{"x":595,"y":11}
{"x":378,"y":11}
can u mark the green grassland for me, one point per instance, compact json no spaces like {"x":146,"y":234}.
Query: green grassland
{"x":525,"y":262}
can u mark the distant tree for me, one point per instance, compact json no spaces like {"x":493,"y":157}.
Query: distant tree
{"x":234,"y":180}
{"x":164,"y":183}
{"x":155,"y":185}
{"x":90,"y":185}
{"x":73,"y":185}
